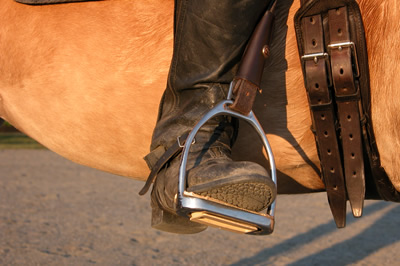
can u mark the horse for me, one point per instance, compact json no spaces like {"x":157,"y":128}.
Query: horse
{"x":85,"y":80}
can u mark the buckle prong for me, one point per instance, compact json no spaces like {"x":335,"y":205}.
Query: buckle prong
{"x":314,"y":57}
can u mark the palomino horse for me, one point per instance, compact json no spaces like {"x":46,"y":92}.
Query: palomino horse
{"x":85,"y":80}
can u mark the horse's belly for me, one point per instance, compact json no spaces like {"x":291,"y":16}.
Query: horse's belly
{"x":86,"y":79}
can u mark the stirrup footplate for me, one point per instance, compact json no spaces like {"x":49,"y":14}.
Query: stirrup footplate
{"x":211,"y":219}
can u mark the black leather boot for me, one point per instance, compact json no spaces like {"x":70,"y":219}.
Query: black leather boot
{"x":210,"y":38}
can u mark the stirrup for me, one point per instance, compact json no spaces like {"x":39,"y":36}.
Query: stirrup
{"x":219,"y":214}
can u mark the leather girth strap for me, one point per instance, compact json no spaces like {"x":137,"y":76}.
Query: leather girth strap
{"x":333,"y":53}
{"x":315,"y":61}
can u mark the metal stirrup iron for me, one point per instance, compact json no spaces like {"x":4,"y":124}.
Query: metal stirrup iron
{"x":244,"y":87}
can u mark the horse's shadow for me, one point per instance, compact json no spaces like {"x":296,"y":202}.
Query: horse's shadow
{"x":324,"y":257}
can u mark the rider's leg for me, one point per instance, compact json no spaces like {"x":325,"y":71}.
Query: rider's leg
{"x":210,"y":38}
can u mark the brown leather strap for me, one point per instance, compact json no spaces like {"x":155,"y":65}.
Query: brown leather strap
{"x":348,"y":103}
{"x":351,"y":82}
{"x":245,"y":93}
{"x":303,"y":2}
{"x":173,"y":151}
{"x":248,"y":78}
{"x":322,"y":109}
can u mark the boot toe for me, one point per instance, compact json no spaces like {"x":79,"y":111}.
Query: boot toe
{"x":246,"y":185}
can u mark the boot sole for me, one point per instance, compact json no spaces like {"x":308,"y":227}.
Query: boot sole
{"x":253,"y":196}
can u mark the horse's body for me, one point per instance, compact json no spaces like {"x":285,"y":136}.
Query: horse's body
{"x":86,"y":79}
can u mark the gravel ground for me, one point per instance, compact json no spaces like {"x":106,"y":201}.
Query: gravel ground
{"x":55,"y":212}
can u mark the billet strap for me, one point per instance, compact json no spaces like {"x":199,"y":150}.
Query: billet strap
{"x":347,"y":51}
{"x":344,"y":68}
{"x":315,"y":62}
{"x":341,"y":51}
{"x":169,"y":154}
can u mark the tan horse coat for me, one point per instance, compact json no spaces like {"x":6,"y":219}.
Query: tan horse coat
{"x":85,"y":80}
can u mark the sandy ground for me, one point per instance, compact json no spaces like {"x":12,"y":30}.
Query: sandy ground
{"x":55,"y":212}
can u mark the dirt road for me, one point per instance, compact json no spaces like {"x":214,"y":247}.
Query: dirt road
{"x":55,"y":212}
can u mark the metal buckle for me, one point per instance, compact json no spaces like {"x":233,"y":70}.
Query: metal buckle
{"x":352,"y":46}
{"x":178,"y":140}
{"x":315,"y":57}
{"x":219,"y":214}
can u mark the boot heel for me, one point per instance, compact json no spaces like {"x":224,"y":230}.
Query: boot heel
{"x":168,"y":222}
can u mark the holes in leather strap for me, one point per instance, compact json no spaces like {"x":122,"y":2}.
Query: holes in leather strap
{"x":354,"y":174}
{"x":329,"y":151}
{"x":314,"y":42}
{"x":339,"y":31}
{"x":326,"y":134}
{"x":323,"y":117}
{"x":349,"y":118}
{"x":316,"y":85}
{"x":335,"y":187}
{"x":332,"y":170}
{"x":341,"y":71}
{"x":353,"y":155}
{"x":351,"y":136}
{"x":312,"y":21}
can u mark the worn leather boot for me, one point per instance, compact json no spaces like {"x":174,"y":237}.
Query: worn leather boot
{"x":209,"y":40}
